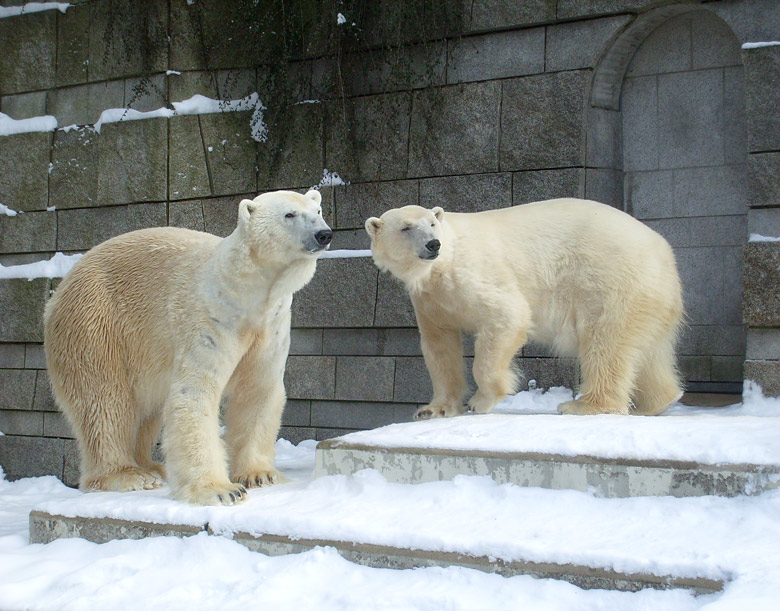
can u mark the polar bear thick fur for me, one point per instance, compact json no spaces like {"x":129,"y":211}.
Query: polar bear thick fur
{"x":153,"y":327}
{"x":581,"y":277}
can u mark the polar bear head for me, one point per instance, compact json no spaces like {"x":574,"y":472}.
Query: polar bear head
{"x":406,"y":241}
{"x":284,"y":224}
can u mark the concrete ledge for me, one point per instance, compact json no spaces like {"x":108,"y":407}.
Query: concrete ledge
{"x":45,"y":528}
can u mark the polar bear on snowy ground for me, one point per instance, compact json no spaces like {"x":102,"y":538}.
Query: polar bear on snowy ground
{"x":581,"y":277}
{"x":153,"y":327}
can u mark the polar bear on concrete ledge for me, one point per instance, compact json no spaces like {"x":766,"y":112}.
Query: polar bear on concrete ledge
{"x":581,"y":277}
{"x":154,"y":326}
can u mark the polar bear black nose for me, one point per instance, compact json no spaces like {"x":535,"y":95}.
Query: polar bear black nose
{"x":433,"y":245}
{"x":323,"y":237}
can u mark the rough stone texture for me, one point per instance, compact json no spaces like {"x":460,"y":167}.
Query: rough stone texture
{"x":132,"y":162}
{"x":538,"y":185}
{"x":188,"y":174}
{"x":11,"y":356}
{"x":505,"y":13}
{"x":761,"y":305}
{"x":29,"y":54}
{"x":230,"y":152}
{"x":471,"y":193}
{"x":357,"y":202}
{"x":454,"y":130}
{"x":604,"y":186}
{"x":44,"y":399}
{"x":604,"y":146}
{"x":18,"y":390}
{"x":359,"y":415}
{"x":30,"y":232}
{"x":84,"y":228}
{"x":21,"y":302}
{"x":306,"y":341}
{"x":762,"y":97}
{"x":412,"y":382}
{"x":220,"y":214}
{"x":393,"y":306}
{"x":570,"y":46}
{"x":188,"y":215}
{"x":24,"y":105}
{"x":763,"y":344}
{"x":21,"y":422}
{"x":297,"y":413}
{"x":542,"y":121}
{"x":763,"y":179}
{"x":31,"y":456}
{"x":83,"y":104}
{"x":73,"y":45}
{"x":73,"y":179}
{"x":766,"y":374}
{"x":292,"y":155}
{"x":147,"y":93}
{"x":496,"y":55}
{"x":24,"y":178}
{"x":764,"y":221}
{"x":364,"y":378}
{"x":576,"y":8}
{"x":310,"y":377}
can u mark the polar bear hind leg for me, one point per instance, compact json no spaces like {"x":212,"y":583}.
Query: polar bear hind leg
{"x":658,"y":384}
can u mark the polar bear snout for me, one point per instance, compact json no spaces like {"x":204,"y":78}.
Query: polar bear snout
{"x":323,"y":237}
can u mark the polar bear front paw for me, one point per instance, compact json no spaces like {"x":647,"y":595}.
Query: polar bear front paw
{"x":426,"y":412}
{"x":215,"y":494}
{"x":260,"y":478}
{"x":580,"y":408}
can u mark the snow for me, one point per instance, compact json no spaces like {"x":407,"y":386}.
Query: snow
{"x":56,"y":267}
{"x":330,"y":179}
{"x":340,"y":19}
{"x":345,"y":254}
{"x":757,"y":237}
{"x":758,"y":45}
{"x":32,"y":7}
{"x":7,"y":211}
{"x":9,"y":126}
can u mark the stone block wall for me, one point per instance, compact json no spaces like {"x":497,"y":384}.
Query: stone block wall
{"x":496,"y":109}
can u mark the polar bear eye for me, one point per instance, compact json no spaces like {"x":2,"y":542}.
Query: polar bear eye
{"x":290,"y":215}
{"x":407,"y":228}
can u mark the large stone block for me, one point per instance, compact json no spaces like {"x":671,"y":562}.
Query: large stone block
{"x":761,"y":304}
{"x":640,"y":123}
{"x":21,"y":422}
{"x":538,"y":185}
{"x":666,"y":49}
{"x":341,"y":294}
{"x":702,"y":269}
{"x":359,"y":415}
{"x":73,"y":46}
{"x":30,"y":232}
{"x":727,"y":368}
{"x":364,"y":378}
{"x":763,"y":179}
{"x":24,"y":105}
{"x":24,"y":179}
{"x":296,"y":434}
{"x":132,"y":162}
{"x":471,"y":193}
{"x":187,"y":84}
{"x":412,"y":382}
{"x":292,"y":156}
{"x":752,"y":21}
{"x":549,"y":372}
{"x":718,"y":190}
{"x":73,"y":180}
{"x":766,"y":374}
{"x":542,"y":121}
{"x":734,"y":120}
{"x":34,"y":356}
{"x":124,"y":41}
{"x":29,"y":53}
{"x":188,"y":215}
{"x":297,"y":413}
{"x":357,"y":202}
{"x":605,"y":138}
{"x":605,"y":186}
{"x":695,"y":368}
{"x":576,"y":8}
{"x":496,"y":55}
{"x":368,"y":138}
{"x":18,"y":389}
{"x":455,"y":130}
{"x":702,"y":231}
{"x":649,"y":195}
{"x":579,"y":44}
{"x":372,"y":342}
{"x":84,"y":228}
{"x":230,"y":152}
{"x":44,"y":399}
{"x":11,"y":356}
{"x":188,"y":174}
{"x":762,"y":98}
{"x":31,"y":456}
{"x":393,"y":305}
{"x":307,"y":341}
{"x":83,"y":104}
{"x":722,"y":340}
{"x":505,"y":13}
{"x":56,"y":425}
{"x":22,"y":302}
{"x":146,"y":93}
{"x":310,"y":377}
{"x":220,"y":214}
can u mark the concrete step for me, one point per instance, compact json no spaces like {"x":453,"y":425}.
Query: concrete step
{"x":610,"y":456}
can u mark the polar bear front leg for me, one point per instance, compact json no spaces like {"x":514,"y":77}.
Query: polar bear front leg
{"x":443,"y":353}
{"x":494,"y":350}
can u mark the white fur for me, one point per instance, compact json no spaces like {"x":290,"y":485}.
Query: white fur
{"x":155,"y":326}
{"x":581,"y":277}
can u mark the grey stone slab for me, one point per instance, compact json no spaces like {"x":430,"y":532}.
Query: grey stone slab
{"x":542,"y":121}
{"x":378,"y":342}
{"x":187,"y":84}
{"x":357,"y":202}
{"x":84,"y":228}
{"x":24,"y":105}
{"x":763,"y":179}
{"x":12,"y":356}
{"x":83,"y":104}
{"x":717,"y":190}
{"x":763,"y":344}
{"x":44,"y":398}
{"x":649,"y":195}
{"x":29,"y":232}
{"x":24,"y":180}
{"x":188,"y":215}
{"x":236,"y":84}
{"x":341,"y":294}
{"x":725,"y":340}
{"x":604,"y":139}
{"x":18,"y":390}
{"x":393,"y":306}
{"x":127,"y":42}
{"x":412,"y":381}
{"x":605,"y":186}
{"x":702,"y":269}
{"x":220,"y":214}
{"x":31,"y":456}
{"x":702,"y":231}
{"x":29,"y":52}
{"x":506,"y":13}
{"x":579,"y":44}
{"x":23,"y":258}
{"x":713,"y":44}
{"x":539,"y":185}
{"x":297,"y":413}
{"x":401,"y":342}
{"x":549,"y":372}
{"x":695,"y":368}
{"x":22,"y":302}
{"x":292,"y":157}
{"x":185,"y":26}
{"x":307,"y":341}
{"x":639,"y":104}
{"x":364,"y":378}
{"x":576,"y":8}
{"x":690,"y":118}
{"x":359,"y":415}
{"x":146,"y":93}
{"x":761,"y":306}
{"x":73,"y":179}
{"x":762,"y":97}
{"x":764,"y":221}
{"x":310,"y":377}
{"x":296,"y":434}
{"x":471,"y":193}
{"x":727,"y":368}
{"x":455,"y":130}
{"x":368,"y":138}
{"x":496,"y":55}
{"x":766,"y":374}
{"x":188,"y":174}
{"x":73,"y":45}
{"x":751,"y":21}
{"x":734,"y":119}
{"x":666,"y":49}
{"x":350,"y":239}
{"x":34,"y":357}
{"x":132,"y":162}
{"x":55,"y":425}
{"x":21,"y":422}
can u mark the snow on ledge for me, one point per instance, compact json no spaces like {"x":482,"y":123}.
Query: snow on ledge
{"x":757,"y":237}
{"x":9,"y":126}
{"x":56,"y":267}
{"x":758,"y":45}
{"x":345,"y":254}
{"x":7,"y":211}
{"x":33,"y":7}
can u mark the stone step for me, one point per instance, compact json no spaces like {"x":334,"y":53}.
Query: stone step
{"x":610,"y":456}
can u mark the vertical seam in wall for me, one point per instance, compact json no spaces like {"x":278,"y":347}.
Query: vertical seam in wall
{"x":376,"y":298}
{"x":500,"y":123}
{"x":409,"y":130}
{"x":168,"y":125}
{"x":206,"y":157}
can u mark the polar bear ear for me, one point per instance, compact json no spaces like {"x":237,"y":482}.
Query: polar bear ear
{"x":246,"y":208}
{"x":438,"y":212}
{"x":315,"y":195}
{"x":372,"y":225}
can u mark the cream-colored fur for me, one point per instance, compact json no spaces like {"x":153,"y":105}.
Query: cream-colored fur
{"x":152,"y":328}
{"x":579,"y":276}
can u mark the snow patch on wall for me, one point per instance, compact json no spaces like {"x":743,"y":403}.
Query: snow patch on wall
{"x":56,"y":267}
{"x":758,"y":45}
{"x":9,"y":126}
{"x":33,"y":7}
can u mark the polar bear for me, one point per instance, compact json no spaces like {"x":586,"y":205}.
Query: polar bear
{"x":581,"y":277}
{"x":155,"y":327}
